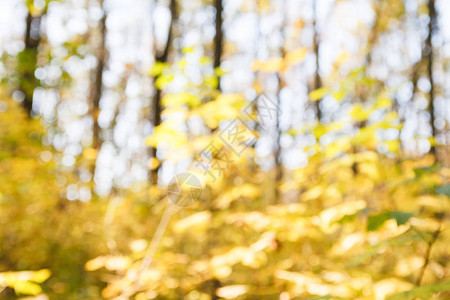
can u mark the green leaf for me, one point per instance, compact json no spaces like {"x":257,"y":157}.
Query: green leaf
{"x":376,"y":221}
{"x":400,"y":216}
{"x":423,"y":292}
{"x":443,"y":190}
{"x":373,"y":250}
{"x":426,"y":170}
{"x":352,"y":217}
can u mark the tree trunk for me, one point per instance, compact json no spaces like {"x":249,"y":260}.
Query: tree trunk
{"x":277,"y":154}
{"x":156,"y":108}
{"x":28,"y":59}
{"x":429,"y":51}
{"x":372,"y":40}
{"x":317,"y":80}
{"x":218,"y":38}
{"x":97,"y":87}
{"x":281,"y":84}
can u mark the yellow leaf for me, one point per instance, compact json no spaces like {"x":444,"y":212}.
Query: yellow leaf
{"x":182,"y":63}
{"x":222,"y":271}
{"x":219,"y":72}
{"x":333,"y":214}
{"x":195,"y":220}
{"x":295,"y":56}
{"x":342,"y":57}
{"x":299,"y":24}
{"x":27,"y":288}
{"x":320,"y":130}
{"x":186,"y":50}
{"x":231,"y":291}
{"x":174,"y":99}
{"x":40,"y":276}
{"x":257,"y":87}
{"x":340,"y":145}
{"x":263,"y":5}
{"x":254,"y":220}
{"x":153,"y":163}
{"x":318,"y":94}
{"x":313,"y":193}
{"x":425,"y":224}
{"x":157,"y":68}
{"x":223,"y":108}
{"x":95,"y":263}
{"x":408,"y":265}
{"x":366,"y":137}
{"x":163,"y":81}
{"x":35,"y":12}
{"x":211,"y":81}
{"x":114,"y":263}
{"x":391,"y":116}
{"x":138,"y":245}
{"x":90,"y":153}
{"x":389,"y":286}
{"x":339,"y":95}
{"x":358,"y":113}
{"x":383,"y":102}
{"x":167,"y":134}
{"x":268,"y":239}
{"x":393,"y":146}
{"x":205,"y":60}
{"x":272,"y":65}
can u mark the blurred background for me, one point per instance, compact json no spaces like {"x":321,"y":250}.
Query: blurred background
{"x":318,"y":131}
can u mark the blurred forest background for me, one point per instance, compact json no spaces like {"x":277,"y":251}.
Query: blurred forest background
{"x":319,"y":132}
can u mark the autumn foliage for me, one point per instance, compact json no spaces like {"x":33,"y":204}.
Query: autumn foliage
{"x":320,"y":198}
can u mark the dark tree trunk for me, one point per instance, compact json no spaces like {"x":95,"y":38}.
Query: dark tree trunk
{"x":28,"y":60}
{"x":277,"y":154}
{"x":281,"y":85}
{"x":374,"y":33}
{"x":218,"y":38}
{"x":429,"y":57}
{"x":317,"y":80}
{"x":97,"y":87}
{"x":371,"y":43}
{"x":156,"y":108}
